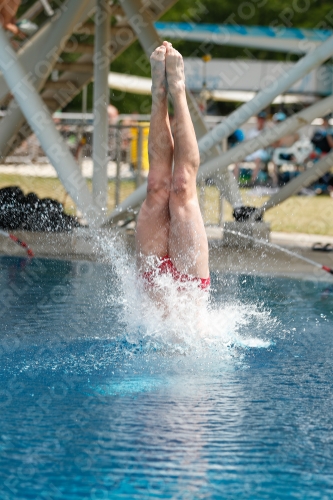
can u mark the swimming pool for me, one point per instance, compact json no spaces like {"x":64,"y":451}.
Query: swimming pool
{"x":96,"y":405}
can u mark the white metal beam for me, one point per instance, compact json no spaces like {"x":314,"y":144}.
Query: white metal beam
{"x":47,"y":7}
{"x":42,"y":124}
{"x":32,"y":11}
{"x":279,"y":84}
{"x":101,"y":101}
{"x":226,"y":35}
{"x":267,"y":137}
{"x":295,"y":185}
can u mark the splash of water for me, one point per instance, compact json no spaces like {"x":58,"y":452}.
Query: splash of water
{"x":182,"y":321}
{"x":193,"y":330}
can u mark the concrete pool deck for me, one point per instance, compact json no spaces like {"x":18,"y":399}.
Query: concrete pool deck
{"x":82,"y":244}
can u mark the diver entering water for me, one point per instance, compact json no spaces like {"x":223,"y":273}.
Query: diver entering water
{"x":170,"y":233}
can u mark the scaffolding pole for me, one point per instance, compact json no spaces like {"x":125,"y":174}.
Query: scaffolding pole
{"x":101,"y":101}
{"x":42,"y":124}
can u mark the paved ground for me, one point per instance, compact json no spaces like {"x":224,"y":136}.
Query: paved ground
{"x":283,"y":258}
{"x":259,"y":259}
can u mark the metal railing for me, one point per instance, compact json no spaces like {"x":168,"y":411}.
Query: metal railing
{"x":127,"y":151}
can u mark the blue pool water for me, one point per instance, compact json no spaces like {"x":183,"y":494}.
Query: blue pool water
{"x":97,"y":403}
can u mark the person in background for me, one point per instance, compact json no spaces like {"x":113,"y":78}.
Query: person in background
{"x":8,"y":10}
{"x":285,"y":142}
{"x":22,"y":28}
{"x":322,"y":139}
{"x":113,"y":114}
{"x":235,"y":138}
{"x":260,"y":156}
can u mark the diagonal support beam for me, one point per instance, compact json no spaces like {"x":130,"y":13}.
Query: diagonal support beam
{"x":238,"y":153}
{"x":48,"y":40}
{"x":267,"y":95}
{"x":267,"y":137}
{"x":295,"y":185}
{"x":47,"y":45}
{"x":122,"y":37}
{"x":42,"y":124}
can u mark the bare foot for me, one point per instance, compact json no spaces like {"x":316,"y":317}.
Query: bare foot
{"x":157,"y":62}
{"x":174,"y":66}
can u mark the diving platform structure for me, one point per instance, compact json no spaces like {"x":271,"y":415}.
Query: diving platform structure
{"x":103,"y":30}
{"x":278,"y":38}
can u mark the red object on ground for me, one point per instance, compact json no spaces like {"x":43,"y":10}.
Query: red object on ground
{"x":327,"y":269}
{"x":22,"y":244}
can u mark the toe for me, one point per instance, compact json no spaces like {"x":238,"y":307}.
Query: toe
{"x":168,"y":47}
{"x":159,"y":53}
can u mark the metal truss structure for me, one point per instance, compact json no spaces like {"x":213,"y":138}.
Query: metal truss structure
{"x":26,"y":75}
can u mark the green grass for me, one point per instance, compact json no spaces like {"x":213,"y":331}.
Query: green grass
{"x":299,"y":214}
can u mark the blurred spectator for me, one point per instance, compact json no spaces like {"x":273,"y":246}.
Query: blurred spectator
{"x":322,"y":141}
{"x":285,"y":142}
{"x":127,"y":128}
{"x":260,"y":156}
{"x":235,"y":138}
{"x":323,"y":138}
{"x":8,"y":10}
{"x":113,"y":114}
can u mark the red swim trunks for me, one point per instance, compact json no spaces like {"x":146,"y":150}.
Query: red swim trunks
{"x":166,"y":267}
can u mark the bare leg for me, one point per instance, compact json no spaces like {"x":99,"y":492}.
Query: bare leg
{"x":152,"y":230}
{"x":188,"y":247}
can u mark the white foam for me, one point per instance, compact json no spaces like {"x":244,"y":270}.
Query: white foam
{"x":183,"y":320}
